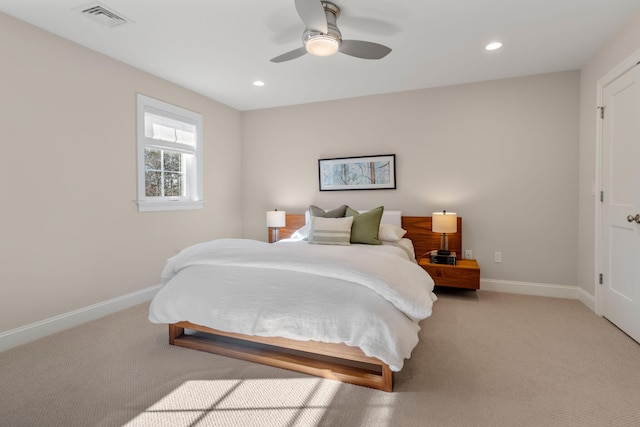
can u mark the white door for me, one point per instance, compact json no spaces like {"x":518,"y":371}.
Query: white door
{"x":621,"y":202}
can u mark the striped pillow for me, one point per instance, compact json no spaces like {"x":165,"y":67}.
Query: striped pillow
{"x":330,"y":231}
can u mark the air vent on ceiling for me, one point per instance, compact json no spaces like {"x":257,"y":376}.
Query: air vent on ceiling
{"x":100,"y":13}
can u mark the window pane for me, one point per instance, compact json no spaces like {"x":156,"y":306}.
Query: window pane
{"x":172,"y":162}
{"x":153,"y":184}
{"x":152,"y":159}
{"x":173,"y":184}
{"x":164,"y":173}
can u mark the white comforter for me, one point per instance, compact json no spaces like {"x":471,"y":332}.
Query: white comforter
{"x":365,"y":296}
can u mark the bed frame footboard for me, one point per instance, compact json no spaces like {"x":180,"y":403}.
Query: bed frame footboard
{"x":334,"y":361}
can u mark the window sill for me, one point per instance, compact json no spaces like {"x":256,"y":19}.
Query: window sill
{"x":146,"y":206}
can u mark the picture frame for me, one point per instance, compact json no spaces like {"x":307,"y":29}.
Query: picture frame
{"x":377,"y":172}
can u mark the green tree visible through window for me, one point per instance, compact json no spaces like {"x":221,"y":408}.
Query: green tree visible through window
{"x":164,"y":173}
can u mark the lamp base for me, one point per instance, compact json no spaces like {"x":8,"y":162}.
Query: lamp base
{"x":437,"y":258}
{"x":444,"y":245}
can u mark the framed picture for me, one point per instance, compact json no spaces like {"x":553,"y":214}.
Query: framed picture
{"x":358,"y":173}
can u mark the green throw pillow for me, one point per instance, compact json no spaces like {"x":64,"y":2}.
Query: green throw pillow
{"x":334,"y":213}
{"x":365,"y":225}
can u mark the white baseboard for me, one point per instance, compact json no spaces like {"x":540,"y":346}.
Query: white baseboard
{"x":587,"y":299}
{"x":539,"y":289}
{"x":34,"y":331}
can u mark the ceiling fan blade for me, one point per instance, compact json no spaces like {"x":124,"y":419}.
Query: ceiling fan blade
{"x":312,"y":14}
{"x":364,"y":50}
{"x":293,"y":54}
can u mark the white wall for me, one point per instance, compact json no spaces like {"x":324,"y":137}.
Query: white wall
{"x":71,"y":235}
{"x":502,"y":154}
{"x":622,"y":46}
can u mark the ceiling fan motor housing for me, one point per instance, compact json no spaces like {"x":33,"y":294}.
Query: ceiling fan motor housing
{"x":320,"y":44}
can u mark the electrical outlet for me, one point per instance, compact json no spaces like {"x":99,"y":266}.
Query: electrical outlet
{"x":468,"y":254}
{"x":497,"y":257}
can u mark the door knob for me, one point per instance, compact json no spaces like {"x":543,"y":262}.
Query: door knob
{"x":632,"y":218}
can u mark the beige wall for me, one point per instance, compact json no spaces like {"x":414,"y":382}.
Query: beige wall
{"x":71,"y":234}
{"x":621,"y":47}
{"x":502,"y":154}
{"x":511,"y":156}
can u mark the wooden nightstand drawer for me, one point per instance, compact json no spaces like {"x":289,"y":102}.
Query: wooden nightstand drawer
{"x":465,"y":274}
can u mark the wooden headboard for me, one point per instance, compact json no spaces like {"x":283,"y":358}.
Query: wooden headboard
{"x":424,"y":240}
{"x":418,"y":230}
{"x":294,"y":222}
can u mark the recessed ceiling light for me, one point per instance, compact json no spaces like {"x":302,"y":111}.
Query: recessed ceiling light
{"x":493,"y":46}
{"x":258,"y":83}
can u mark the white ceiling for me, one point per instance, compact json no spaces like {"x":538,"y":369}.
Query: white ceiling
{"x":218,"y":48}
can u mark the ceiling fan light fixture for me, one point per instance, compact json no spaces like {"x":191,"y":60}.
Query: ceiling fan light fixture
{"x":322,"y":45}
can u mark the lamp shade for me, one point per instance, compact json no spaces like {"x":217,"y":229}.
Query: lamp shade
{"x":444,"y":222}
{"x":276,"y":218}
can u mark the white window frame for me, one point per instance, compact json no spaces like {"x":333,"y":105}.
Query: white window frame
{"x":192,"y":198}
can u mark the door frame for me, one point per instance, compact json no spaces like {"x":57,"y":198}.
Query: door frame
{"x":612,"y":75}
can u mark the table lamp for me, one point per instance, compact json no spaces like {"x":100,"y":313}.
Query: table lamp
{"x":444,"y":222}
{"x":276,"y":219}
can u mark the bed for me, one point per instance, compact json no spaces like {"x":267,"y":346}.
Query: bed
{"x":345,"y":312}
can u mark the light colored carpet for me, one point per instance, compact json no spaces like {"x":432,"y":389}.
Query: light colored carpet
{"x":484,"y":359}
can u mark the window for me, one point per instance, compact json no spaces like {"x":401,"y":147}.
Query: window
{"x":169,"y":142}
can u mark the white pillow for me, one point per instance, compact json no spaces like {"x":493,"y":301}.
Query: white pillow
{"x":330,"y":231}
{"x":301,"y":233}
{"x":390,"y":232}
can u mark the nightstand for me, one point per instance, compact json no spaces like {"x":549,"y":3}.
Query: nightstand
{"x":465,"y":274}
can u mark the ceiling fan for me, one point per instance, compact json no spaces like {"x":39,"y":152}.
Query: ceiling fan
{"x":323,"y":38}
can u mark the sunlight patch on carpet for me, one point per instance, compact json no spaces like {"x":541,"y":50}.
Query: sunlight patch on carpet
{"x":255,"y":402}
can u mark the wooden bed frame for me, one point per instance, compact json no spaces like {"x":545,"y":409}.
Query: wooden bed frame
{"x":335,"y":361}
